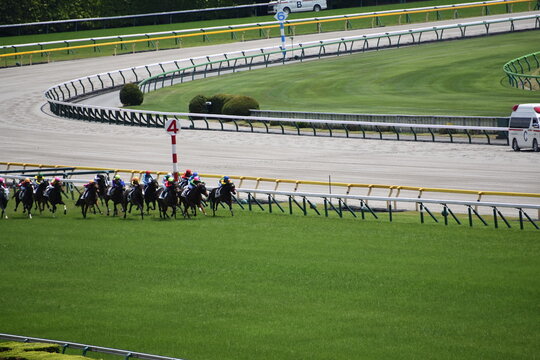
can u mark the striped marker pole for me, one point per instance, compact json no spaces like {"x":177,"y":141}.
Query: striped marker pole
{"x":174,"y":158}
{"x":281,"y":16}
{"x":282,"y":30}
{"x":171,"y":127}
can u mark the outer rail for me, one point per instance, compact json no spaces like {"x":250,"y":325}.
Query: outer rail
{"x":85,"y":348}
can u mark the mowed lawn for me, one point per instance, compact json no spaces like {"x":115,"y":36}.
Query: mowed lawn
{"x":260,"y":286}
{"x":462,"y":77}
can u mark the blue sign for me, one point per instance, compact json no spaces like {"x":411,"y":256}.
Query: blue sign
{"x":281,"y":16}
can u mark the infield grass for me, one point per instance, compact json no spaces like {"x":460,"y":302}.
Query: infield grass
{"x":461,"y":77}
{"x":261,"y":286}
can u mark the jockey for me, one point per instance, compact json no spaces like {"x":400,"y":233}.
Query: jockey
{"x":147,"y":179}
{"x":3,"y":187}
{"x":165,"y":179}
{"x":134,"y":184}
{"x":38,"y":179}
{"x":194,"y":181}
{"x":168,"y":185}
{"x":87,"y":187}
{"x":116,"y":183}
{"x":185,"y":178}
{"x":223,"y":181}
{"x":52,"y":184}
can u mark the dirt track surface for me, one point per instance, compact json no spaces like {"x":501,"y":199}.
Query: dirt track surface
{"x":29,"y":135}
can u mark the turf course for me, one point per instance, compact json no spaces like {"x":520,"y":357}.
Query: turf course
{"x":462,"y":77}
{"x":260,"y":286}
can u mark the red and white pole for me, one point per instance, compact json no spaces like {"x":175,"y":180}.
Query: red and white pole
{"x":174,"y":158}
{"x":171,"y":127}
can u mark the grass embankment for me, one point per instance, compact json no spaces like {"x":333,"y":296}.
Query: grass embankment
{"x":462,"y":77}
{"x":261,"y":286}
{"x":227,"y":37}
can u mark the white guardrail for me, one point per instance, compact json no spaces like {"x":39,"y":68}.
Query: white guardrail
{"x":391,"y":205}
{"x":232,"y":27}
{"x":85,"y":348}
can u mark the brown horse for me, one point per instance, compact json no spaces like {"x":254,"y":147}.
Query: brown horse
{"x":191,"y":199}
{"x":88,"y":200}
{"x":222,"y":195}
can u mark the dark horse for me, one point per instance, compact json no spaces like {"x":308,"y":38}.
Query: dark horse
{"x":224,"y":196}
{"x":53,"y":194}
{"x":133,"y":197}
{"x":89,"y":201}
{"x":39,"y":196}
{"x":25,"y":195}
{"x":193,"y":199}
{"x":3,"y":202}
{"x":151,"y":195}
{"x":116,"y":195}
{"x":170,"y":200}
{"x":102,"y":183}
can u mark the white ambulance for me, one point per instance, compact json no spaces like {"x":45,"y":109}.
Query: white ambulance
{"x":296,"y":6}
{"x":524,"y":127}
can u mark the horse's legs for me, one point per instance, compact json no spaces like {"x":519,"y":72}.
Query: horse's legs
{"x":83,"y":209}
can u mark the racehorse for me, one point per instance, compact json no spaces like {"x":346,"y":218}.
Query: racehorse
{"x":169,"y":201}
{"x":89,"y":201}
{"x":25,"y":195}
{"x":193,"y":199}
{"x":151,"y":195}
{"x":133,"y":197}
{"x":54,"y":197}
{"x":101,"y":181}
{"x":39,"y":196}
{"x":224,"y":196}
{"x":115,"y":194}
{"x":3,"y":202}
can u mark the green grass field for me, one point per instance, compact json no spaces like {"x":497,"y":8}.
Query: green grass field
{"x":225,"y":38}
{"x":261,"y":286}
{"x":422,"y":79}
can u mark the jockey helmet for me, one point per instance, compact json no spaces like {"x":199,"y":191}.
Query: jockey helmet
{"x":135,"y":179}
{"x":39,"y":176}
{"x":27,"y":180}
{"x":196,"y":178}
{"x":57,"y":179}
{"x":147,"y":172}
{"x":1,"y":180}
{"x":117,"y":176}
{"x":188,"y":172}
{"x":226,"y":178}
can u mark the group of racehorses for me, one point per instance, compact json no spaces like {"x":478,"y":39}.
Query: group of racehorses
{"x":40,"y":196}
{"x":99,"y":192}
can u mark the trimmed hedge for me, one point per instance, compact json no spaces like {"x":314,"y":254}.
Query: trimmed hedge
{"x":197,"y":105}
{"x":218,"y":101}
{"x":131,"y":95}
{"x":34,"y":351}
{"x":240,"y":106}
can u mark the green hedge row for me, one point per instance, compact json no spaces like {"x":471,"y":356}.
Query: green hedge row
{"x":34,"y":351}
{"x":224,"y":104}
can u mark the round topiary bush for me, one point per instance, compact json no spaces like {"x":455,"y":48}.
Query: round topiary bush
{"x":131,"y":95}
{"x":218,"y":101}
{"x":240,"y":106}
